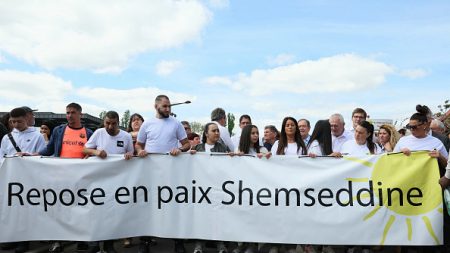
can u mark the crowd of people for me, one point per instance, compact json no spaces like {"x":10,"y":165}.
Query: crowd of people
{"x":165,"y":134}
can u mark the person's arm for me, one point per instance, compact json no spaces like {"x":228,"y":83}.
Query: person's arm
{"x":49,"y":149}
{"x":94,"y":152}
{"x":185,"y":146}
{"x":140,"y":149}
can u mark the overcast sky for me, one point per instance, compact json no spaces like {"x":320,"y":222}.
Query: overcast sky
{"x":268,"y":59}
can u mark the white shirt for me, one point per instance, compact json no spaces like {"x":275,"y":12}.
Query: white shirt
{"x":416,"y":144}
{"x":235,"y":139}
{"x":208,"y":148}
{"x":252,"y":150}
{"x":29,"y":141}
{"x":120,"y":144}
{"x":337,"y":142}
{"x":350,"y":147}
{"x":291,"y":149}
{"x":225,"y":135}
{"x":314,"y":148}
{"x":161,"y":135}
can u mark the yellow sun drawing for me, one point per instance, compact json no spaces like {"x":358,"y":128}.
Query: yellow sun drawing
{"x":405,"y":173}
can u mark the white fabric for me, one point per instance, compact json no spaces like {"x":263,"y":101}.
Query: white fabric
{"x":291,"y":149}
{"x":314,"y":148}
{"x":235,"y":140}
{"x":161,"y":135}
{"x":416,"y":144}
{"x":352,"y":148}
{"x":225,"y":136}
{"x":186,"y":214}
{"x":29,"y":141}
{"x":252,"y":150}
{"x":208,"y":148}
{"x":120,"y":144}
{"x":340,"y":140}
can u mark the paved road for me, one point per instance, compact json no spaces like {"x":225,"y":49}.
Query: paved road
{"x":164,"y":246}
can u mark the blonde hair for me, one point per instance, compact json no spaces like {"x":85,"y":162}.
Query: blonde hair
{"x":394,"y":135}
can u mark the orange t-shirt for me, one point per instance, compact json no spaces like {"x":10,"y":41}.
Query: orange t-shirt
{"x":73,"y":142}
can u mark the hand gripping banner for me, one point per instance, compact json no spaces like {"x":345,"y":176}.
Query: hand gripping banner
{"x":370,"y":200}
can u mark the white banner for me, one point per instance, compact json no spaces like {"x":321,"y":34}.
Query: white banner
{"x":372,"y":200}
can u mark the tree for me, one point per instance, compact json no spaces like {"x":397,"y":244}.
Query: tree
{"x":444,"y":113}
{"x":125,"y":119}
{"x":230,"y":120}
{"x":102,"y":115}
{"x":196,"y":127}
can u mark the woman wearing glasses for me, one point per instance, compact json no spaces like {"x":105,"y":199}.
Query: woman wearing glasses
{"x":420,"y":139}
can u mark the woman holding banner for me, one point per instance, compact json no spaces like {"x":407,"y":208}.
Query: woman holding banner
{"x":290,"y":142}
{"x":363,"y":143}
{"x":249,"y":143}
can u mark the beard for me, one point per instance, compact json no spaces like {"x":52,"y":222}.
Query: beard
{"x":163,"y":114}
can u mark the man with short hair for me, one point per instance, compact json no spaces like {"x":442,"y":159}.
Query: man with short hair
{"x":186,"y":126}
{"x":358,"y":116}
{"x":68,"y":140}
{"x":304,"y":126}
{"x":219,"y":117}
{"x":23,"y":140}
{"x":31,"y":120}
{"x":243,"y":121}
{"x":437,"y":126}
{"x":338,"y":133}
{"x":110,"y":139}
{"x":161,"y":134}
{"x":270,"y":136}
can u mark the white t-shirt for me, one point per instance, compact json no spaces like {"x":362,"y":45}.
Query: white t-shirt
{"x":416,"y":144}
{"x":314,"y":148}
{"x":352,"y":148}
{"x":161,"y":135}
{"x":291,"y":149}
{"x":252,"y":150}
{"x":225,"y":136}
{"x":29,"y":141}
{"x":339,"y":141}
{"x":235,"y":139}
{"x":120,"y":144}
{"x":208,"y":148}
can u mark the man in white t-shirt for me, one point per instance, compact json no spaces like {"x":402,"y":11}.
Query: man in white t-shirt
{"x":110,"y":139}
{"x":162,"y":133}
{"x":243,"y":121}
{"x":219,"y":117}
{"x":338,"y":133}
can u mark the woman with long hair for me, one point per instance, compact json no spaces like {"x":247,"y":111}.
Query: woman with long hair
{"x":134,"y":125}
{"x":320,"y":143}
{"x":249,"y":143}
{"x":363,"y":143}
{"x":387,"y":137}
{"x":290,"y":142}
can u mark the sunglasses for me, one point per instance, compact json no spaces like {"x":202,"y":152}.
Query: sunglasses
{"x":410,"y":127}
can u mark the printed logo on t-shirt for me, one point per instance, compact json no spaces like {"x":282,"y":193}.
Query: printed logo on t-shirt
{"x":120,"y":144}
{"x":82,"y":136}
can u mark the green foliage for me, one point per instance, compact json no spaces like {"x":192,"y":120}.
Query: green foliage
{"x":196,"y":127}
{"x":125,"y":120}
{"x":230,"y":120}
{"x":102,"y":115}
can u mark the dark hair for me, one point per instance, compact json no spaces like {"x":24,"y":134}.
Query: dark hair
{"x":191,"y":136}
{"x":245,"y":116}
{"x":18,"y":112}
{"x":112,"y":115}
{"x":159,"y":98}
{"x":134,"y":115}
{"x":218,"y":114}
{"x":5,"y":121}
{"x":307,"y":122}
{"x":422,"y":114}
{"x":184,"y":122}
{"x":322,"y":133}
{"x":206,"y":131}
{"x":50,"y":125}
{"x":245,"y":142}
{"x":402,"y":131}
{"x":283,"y":143}
{"x":76,"y":106}
{"x":359,"y":110}
{"x":369,"y":128}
